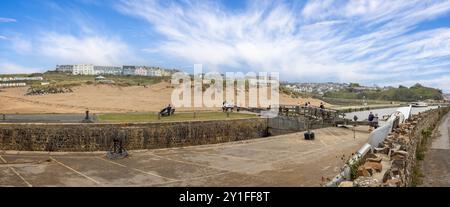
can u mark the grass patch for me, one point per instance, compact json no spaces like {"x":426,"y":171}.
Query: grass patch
{"x":414,"y":93}
{"x":417,"y":175}
{"x":182,"y":116}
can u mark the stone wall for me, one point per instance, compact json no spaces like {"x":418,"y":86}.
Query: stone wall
{"x":98,"y":137}
{"x":290,"y":124}
{"x":393,"y":163}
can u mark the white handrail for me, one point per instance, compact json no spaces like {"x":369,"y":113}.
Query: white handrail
{"x":375,"y":138}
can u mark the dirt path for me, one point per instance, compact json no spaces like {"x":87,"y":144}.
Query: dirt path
{"x":436,"y":166}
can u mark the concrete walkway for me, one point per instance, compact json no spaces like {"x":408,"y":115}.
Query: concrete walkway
{"x":436,"y":166}
{"x":286,"y":160}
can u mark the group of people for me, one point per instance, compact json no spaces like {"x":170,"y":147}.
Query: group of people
{"x":373,"y":120}
{"x":308,"y":104}
{"x":321,"y":108}
{"x":229,"y":107}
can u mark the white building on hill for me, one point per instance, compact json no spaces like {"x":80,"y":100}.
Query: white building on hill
{"x":107,"y":70}
{"x":83,"y":69}
{"x":64,"y":68}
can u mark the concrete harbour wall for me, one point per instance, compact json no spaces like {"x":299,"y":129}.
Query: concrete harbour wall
{"x":286,"y":124}
{"x":99,"y":137}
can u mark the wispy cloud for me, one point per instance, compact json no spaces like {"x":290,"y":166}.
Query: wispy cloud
{"x":80,"y":40}
{"x":7,"y":20}
{"x":20,"y":45}
{"x":84,"y":49}
{"x":374,"y":41}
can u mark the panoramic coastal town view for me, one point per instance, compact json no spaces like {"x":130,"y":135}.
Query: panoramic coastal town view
{"x":224,"y":93}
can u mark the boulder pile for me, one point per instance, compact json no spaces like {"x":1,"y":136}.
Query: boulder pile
{"x":47,"y":90}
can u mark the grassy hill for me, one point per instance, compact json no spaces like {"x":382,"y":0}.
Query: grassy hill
{"x":414,"y":93}
{"x":66,"y":79}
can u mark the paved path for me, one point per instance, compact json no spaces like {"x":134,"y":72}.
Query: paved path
{"x":286,"y":160}
{"x":436,"y":165}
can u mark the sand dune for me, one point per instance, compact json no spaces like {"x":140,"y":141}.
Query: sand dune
{"x":100,"y":99}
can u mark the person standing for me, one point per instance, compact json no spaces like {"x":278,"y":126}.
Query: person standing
{"x":322,"y":110}
{"x":370,"y":119}
{"x":375,"y":121}
{"x":371,"y":116}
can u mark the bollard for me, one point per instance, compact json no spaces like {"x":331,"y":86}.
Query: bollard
{"x":4,"y":117}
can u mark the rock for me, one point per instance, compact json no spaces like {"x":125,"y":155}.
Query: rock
{"x":363,"y":171}
{"x":366,"y":182}
{"x":397,"y":157}
{"x":371,"y":155}
{"x":387,"y":175}
{"x":395,"y":182}
{"x":399,"y":164}
{"x":403,"y":137}
{"x":401,"y":152}
{"x":377,"y":159}
{"x":376,"y":166}
{"x":395,"y":171}
{"x":383,"y":150}
{"x":346,"y":184}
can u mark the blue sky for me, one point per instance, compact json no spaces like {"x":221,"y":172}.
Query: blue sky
{"x":383,"y":42}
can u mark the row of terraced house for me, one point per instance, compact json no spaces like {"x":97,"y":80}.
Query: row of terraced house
{"x":90,"y":69}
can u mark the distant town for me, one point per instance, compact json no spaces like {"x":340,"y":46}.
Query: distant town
{"x":90,"y":69}
{"x":322,"y":88}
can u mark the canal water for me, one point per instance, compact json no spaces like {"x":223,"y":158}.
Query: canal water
{"x":363,"y":115}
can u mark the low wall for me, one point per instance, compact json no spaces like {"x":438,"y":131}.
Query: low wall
{"x":407,"y":138}
{"x":286,"y":124}
{"x":99,"y":137}
{"x":393,"y":163}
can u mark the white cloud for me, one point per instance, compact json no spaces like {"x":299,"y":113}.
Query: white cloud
{"x":21,"y":45}
{"x":12,"y":68}
{"x":3,"y":37}
{"x":355,"y":40}
{"x":7,"y":20}
{"x":85,"y":49}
